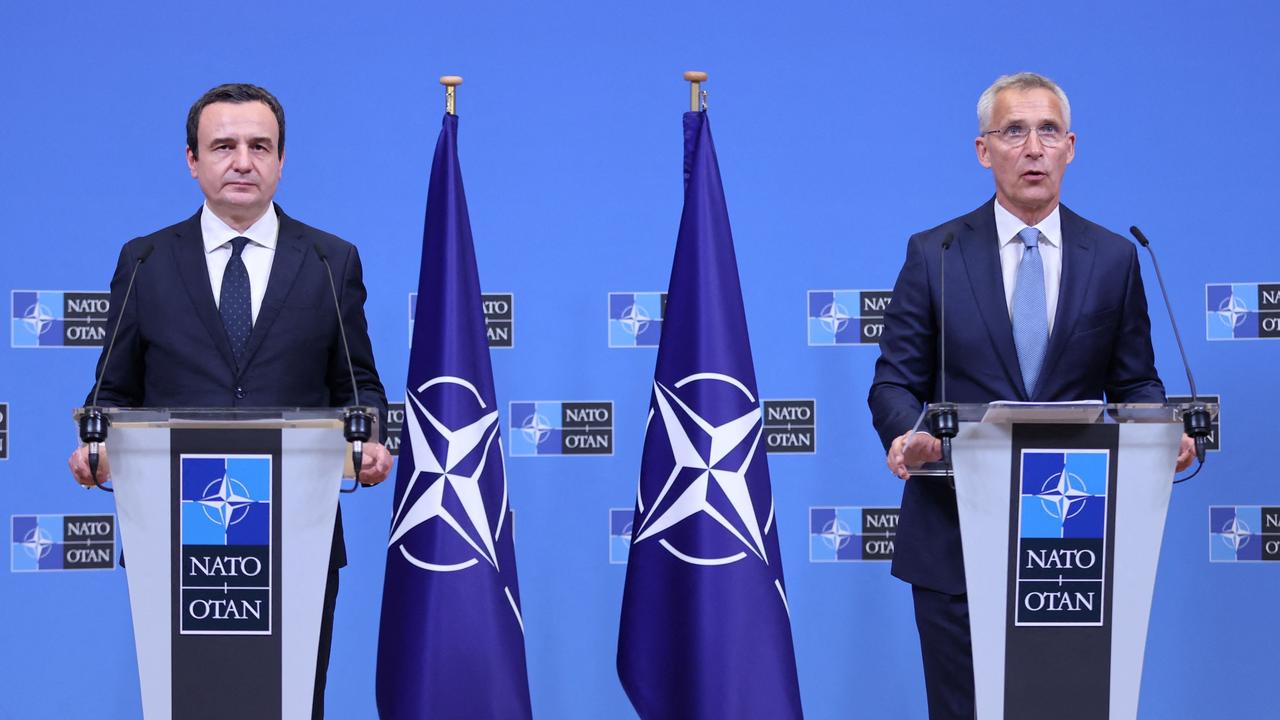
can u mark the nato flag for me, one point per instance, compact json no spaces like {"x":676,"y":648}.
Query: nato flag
{"x":451,"y":643}
{"x":705,"y":630}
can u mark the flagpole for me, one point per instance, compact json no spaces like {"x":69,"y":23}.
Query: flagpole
{"x":697,"y":98}
{"x":450,"y":83}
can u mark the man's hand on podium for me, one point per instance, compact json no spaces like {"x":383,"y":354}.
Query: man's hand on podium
{"x":374,"y":467}
{"x":912,"y":450}
{"x":1186,"y":453}
{"x":79,"y":464}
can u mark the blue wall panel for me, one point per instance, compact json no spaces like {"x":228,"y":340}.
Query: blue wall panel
{"x":841,"y":128}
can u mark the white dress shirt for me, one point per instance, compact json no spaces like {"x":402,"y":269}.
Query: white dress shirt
{"x":1012,"y":248}
{"x":257,"y":254}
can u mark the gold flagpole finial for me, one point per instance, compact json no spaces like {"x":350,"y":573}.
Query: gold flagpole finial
{"x":450,"y":83}
{"x":697,"y":98}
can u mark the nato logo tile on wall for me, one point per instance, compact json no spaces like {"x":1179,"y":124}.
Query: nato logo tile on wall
{"x":540,"y":428}
{"x":41,"y":543}
{"x":635,"y":318}
{"x":58,"y":318}
{"x":1242,"y":311}
{"x":1244,"y":533}
{"x":851,"y":534}
{"x":620,"y":524}
{"x":499,"y":318}
{"x":846,"y":317}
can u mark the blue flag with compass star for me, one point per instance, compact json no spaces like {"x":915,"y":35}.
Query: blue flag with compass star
{"x":705,"y":629}
{"x":451,"y":642}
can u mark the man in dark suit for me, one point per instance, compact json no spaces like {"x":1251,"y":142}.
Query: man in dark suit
{"x":233,"y":308}
{"x":1043,"y":305}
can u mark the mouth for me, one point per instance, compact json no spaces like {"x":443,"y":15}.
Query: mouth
{"x":1035,"y":175}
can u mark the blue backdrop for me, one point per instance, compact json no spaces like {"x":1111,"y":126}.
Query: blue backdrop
{"x":841,"y":128}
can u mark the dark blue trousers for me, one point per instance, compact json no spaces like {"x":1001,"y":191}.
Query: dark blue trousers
{"x":943,"y":623}
{"x":326,"y":642}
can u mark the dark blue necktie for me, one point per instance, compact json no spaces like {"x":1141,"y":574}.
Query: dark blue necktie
{"x":234,"y":304}
{"x":1030,"y":311}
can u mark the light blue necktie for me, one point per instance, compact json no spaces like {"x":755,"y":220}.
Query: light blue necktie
{"x":1030,"y":313}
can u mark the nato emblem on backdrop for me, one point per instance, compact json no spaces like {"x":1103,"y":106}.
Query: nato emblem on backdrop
{"x":789,"y":426}
{"x":499,"y":318}
{"x":1244,"y":533}
{"x":635,"y":318}
{"x":58,"y":318}
{"x":1242,"y":311}
{"x":225,"y":528}
{"x":555,"y":427}
{"x":620,"y":525}
{"x":1214,"y":441}
{"x":1061,"y":537}
{"x":395,"y":425}
{"x":62,"y":542}
{"x":851,"y":534}
{"x":847,"y":317}
{"x":4,"y":431}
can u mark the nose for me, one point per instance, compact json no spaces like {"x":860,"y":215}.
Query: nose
{"x":240,"y":160}
{"x":1032,"y":146}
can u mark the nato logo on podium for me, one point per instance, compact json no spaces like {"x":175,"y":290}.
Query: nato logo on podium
{"x":226,"y":545}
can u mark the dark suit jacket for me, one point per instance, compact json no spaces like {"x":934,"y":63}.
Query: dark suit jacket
{"x":1100,"y":345}
{"x":172,"y":350}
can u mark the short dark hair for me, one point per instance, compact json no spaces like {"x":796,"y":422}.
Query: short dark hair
{"x":232,"y":93}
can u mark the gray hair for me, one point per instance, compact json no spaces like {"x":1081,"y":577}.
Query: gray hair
{"x":1019,"y":81}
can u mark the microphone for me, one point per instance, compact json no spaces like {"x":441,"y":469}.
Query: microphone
{"x":357,"y":426}
{"x":93,"y":422}
{"x":944,"y":421}
{"x":1195,"y":419}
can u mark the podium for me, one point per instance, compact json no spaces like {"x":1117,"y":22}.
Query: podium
{"x":1062,"y":511}
{"x":226,"y":518}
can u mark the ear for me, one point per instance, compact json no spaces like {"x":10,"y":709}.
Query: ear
{"x":984,"y":153}
{"x":191,"y":163}
{"x":1071,"y":147}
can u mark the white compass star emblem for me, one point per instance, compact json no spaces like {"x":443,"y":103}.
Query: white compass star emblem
{"x":1063,"y":495}
{"x":836,"y":534}
{"x":37,"y":318}
{"x":834,"y":317}
{"x":1232,"y":311}
{"x":1236,"y":533}
{"x":223,"y":498}
{"x":707,"y":470}
{"x":441,"y":473}
{"x":37,"y":542}
{"x":535,"y":429}
{"x":634,"y":319}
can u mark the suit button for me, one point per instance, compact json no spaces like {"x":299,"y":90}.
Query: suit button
{"x":240,"y":393}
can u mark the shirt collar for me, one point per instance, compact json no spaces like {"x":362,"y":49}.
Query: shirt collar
{"x":217,"y":233}
{"x":1008,"y":226}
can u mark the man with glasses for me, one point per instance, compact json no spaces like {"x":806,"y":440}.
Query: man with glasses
{"x":1044,"y":306}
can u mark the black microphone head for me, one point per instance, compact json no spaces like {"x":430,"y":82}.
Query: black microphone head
{"x":946,"y":241}
{"x":146,"y":252}
{"x":319,"y":250}
{"x":1137,"y":234}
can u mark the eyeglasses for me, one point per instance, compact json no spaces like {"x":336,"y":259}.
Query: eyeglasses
{"x":1015,"y":135}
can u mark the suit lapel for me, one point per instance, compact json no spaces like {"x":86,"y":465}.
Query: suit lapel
{"x":189,"y":254}
{"x":1077,"y":268}
{"x":290,"y":250}
{"x":979,"y":247}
